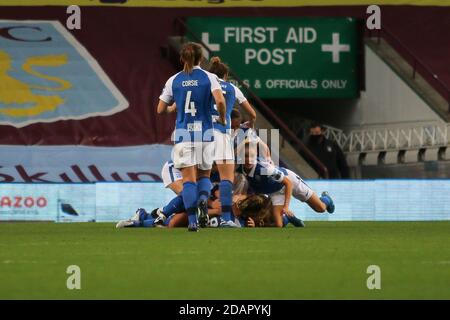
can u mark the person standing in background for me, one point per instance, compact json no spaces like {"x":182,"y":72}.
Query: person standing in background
{"x":328,"y":152}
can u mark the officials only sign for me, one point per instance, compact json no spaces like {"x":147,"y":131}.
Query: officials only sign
{"x":286,"y":57}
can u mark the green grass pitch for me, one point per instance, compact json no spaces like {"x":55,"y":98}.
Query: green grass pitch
{"x":325,"y":260}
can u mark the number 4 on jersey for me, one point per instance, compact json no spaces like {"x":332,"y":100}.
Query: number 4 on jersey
{"x":189,"y":106}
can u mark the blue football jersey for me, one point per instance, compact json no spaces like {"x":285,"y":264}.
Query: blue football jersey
{"x":231,"y":94}
{"x":192,"y":94}
{"x":264,"y":177}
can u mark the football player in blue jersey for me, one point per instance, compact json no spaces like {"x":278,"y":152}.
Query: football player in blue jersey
{"x":193,"y":91}
{"x":245,"y":132}
{"x":280,"y":184}
{"x":253,"y":210}
{"x":172,"y":179}
{"x":224,"y":149}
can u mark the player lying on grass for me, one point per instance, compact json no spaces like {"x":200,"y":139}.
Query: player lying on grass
{"x":280,"y":184}
{"x":172,"y":180}
{"x":248,"y":211}
{"x":262,"y":177}
{"x":144,"y":219}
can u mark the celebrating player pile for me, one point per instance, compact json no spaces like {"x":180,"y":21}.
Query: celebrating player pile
{"x":253,"y":194}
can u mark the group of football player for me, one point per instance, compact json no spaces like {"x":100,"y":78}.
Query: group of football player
{"x":221,"y":172}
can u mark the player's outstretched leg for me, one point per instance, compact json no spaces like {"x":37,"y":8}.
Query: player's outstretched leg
{"x":175,"y":205}
{"x":158,"y":217}
{"x":322,"y":204}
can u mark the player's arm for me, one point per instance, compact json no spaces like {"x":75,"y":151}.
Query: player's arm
{"x":265,"y":151}
{"x":216,"y":90}
{"x":162,"y":107}
{"x":250,"y":112}
{"x":172,"y":108}
{"x":243,"y":102}
{"x":221,"y":105}
{"x":166,"y":98}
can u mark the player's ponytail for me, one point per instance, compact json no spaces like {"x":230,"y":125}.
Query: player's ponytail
{"x":190,"y":56}
{"x":217,"y":67}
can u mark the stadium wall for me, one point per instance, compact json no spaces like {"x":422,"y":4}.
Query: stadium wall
{"x":127,"y":48}
{"x":37,"y":164}
{"x":363,"y":200}
{"x":387,"y":101}
{"x":218,"y":4}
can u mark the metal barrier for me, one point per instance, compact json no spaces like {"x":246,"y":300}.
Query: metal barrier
{"x":391,"y":139}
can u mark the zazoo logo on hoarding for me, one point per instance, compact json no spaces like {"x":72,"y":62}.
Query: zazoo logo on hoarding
{"x":46,"y":75}
{"x":286,"y":57}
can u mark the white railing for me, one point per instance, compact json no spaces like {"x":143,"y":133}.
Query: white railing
{"x":387,"y":139}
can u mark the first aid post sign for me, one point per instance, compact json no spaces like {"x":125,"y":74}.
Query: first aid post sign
{"x":286,"y":57}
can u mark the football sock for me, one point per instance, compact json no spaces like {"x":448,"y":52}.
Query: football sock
{"x":176,"y":205}
{"x":204,"y":188}
{"x":190,"y":200}
{"x":226,"y":198}
{"x":143,"y":215}
{"x":148,"y":222}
